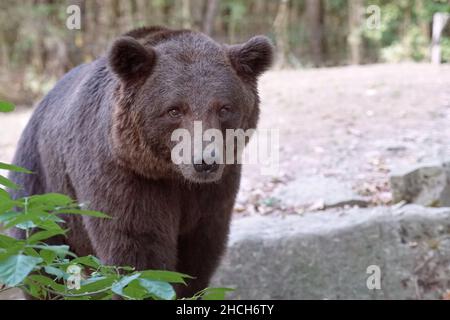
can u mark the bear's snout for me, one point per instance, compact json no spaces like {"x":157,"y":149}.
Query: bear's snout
{"x":205,"y":167}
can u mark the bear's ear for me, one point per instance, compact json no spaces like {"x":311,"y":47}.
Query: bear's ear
{"x":252,"y":58}
{"x":129,"y":60}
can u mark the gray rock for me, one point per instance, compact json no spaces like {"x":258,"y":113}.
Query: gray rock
{"x":427,"y":185}
{"x":307,"y":191}
{"x":326,"y":255}
{"x":12,"y":294}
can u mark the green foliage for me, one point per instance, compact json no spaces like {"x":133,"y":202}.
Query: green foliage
{"x":414,"y":46}
{"x":405,"y":29}
{"x":6,"y":106}
{"x":45,"y":271}
{"x":37,"y":49}
{"x":446,"y":50}
{"x":211,"y":294}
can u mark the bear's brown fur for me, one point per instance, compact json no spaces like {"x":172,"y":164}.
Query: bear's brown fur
{"x":102,"y":136}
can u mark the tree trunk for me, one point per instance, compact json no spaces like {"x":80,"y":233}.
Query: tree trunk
{"x":72,"y":45}
{"x":186,"y":14}
{"x":439,"y":21}
{"x":115,"y":18}
{"x":355,"y":14}
{"x":315,"y":17}
{"x":134,"y":13}
{"x":212,"y":7}
{"x":281,"y":27}
{"x":423,"y":23}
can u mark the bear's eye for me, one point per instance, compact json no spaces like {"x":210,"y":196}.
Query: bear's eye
{"x":175,"y":112}
{"x":224,"y":111}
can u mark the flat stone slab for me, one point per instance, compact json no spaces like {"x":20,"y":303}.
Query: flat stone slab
{"x":326,"y":255}
{"x":307,"y":191}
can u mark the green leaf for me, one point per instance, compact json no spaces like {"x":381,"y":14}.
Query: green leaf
{"x":34,"y":289}
{"x":83,"y":212}
{"x":32,"y":219}
{"x":49,"y":225}
{"x":48,"y":256}
{"x":158,"y":289}
{"x":13,"y":249}
{"x":5,"y":217}
{"x":8,"y":183}
{"x":58,"y":273}
{"x":31,"y":252}
{"x":42,"y":235}
{"x":14,"y":269}
{"x":47,"y":282}
{"x":107,"y":270}
{"x":77,"y":298}
{"x":135,"y":291}
{"x":6,"y":242}
{"x":4,"y":195}
{"x":130,"y":269}
{"x":61,"y":250}
{"x":215,"y":293}
{"x":89,"y":261}
{"x":95,"y":280}
{"x":96,"y":284}
{"x":11,"y":167}
{"x":51,"y":199}
{"x":165,"y":276}
{"x":6,"y":106}
{"x":118,"y":287}
{"x":23,"y":218}
{"x":6,"y":205}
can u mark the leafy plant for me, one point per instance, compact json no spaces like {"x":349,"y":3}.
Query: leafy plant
{"x":54,"y":272}
{"x":6,"y":106}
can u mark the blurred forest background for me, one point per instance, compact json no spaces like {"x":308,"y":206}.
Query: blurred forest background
{"x":36,"y":48}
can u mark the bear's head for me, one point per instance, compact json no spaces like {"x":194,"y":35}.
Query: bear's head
{"x":170,"y":84}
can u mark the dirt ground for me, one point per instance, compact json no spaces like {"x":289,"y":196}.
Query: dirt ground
{"x":354,"y":124}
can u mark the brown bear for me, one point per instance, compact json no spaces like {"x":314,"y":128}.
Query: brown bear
{"x":102,"y":135}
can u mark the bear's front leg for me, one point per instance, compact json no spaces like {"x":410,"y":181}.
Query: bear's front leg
{"x":200,"y":250}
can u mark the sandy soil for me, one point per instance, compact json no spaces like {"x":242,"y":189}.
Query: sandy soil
{"x":355,"y":124}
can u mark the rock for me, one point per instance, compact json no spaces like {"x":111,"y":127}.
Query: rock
{"x":427,"y":185}
{"x":12,"y":294}
{"x":326,"y":255}
{"x":309,"y":191}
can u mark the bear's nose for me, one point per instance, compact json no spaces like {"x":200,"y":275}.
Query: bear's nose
{"x":204,"y":167}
